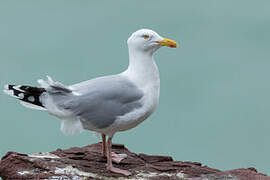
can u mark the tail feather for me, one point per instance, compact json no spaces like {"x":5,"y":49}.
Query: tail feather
{"x":28,"y":95}
{"x":32,"y":106}
{"x":52,"y":86}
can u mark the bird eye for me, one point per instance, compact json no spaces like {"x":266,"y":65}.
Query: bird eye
{"x":145,"y":36}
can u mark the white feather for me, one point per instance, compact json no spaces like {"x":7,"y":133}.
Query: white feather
{"x":51,"y":86}
{"x":18,"y":88}
{"x":43,"y":83}
{"x":71,"y":127}
{"x":46,"y":84}
{"x":32,"y":106}
{"x":50,"y":80}
{"x":52,"y":108}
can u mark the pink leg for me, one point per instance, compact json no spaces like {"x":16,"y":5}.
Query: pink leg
{"x":117,"y":158}
{"x":109,"y":160}
{"x":104,"y":145}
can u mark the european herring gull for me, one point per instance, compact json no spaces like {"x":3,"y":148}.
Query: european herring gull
{"x":105,"y":104}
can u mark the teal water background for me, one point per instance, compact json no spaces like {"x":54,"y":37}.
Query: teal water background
{"x":215,"y":90}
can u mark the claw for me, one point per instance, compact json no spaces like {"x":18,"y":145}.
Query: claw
{"x":119,"y":171}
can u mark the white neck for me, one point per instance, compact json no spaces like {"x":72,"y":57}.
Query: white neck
{"x":143,"y":72}
{"x":142,"y":69}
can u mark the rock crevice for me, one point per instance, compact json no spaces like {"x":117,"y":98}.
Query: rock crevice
{"x":88,"y":163}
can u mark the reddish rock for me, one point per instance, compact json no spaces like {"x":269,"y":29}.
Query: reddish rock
{"x":87,"y":163}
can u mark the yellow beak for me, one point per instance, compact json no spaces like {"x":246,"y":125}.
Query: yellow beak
{"x":168,"y":42}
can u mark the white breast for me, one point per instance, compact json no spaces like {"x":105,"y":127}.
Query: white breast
{"x":143,"y":72}
{"x":147,"y":79}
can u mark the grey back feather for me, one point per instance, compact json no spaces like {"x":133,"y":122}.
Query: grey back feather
{"x":100,"y":100}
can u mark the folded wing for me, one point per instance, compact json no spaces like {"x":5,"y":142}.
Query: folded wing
{"x":98,"y":102}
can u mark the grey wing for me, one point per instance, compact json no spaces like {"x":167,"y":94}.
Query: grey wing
{"x":101,"y":100}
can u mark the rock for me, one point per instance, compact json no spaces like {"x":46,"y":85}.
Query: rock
{"x":87,"y":163}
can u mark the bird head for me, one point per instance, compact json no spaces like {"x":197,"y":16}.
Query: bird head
{"x":149,"y":41}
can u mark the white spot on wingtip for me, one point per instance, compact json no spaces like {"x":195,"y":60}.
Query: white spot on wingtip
{"x":31,"y":98}
{"x":21,"y":95}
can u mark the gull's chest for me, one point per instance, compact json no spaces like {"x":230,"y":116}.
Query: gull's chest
{"x":151,"y":97}
{"x":149,"y":83}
